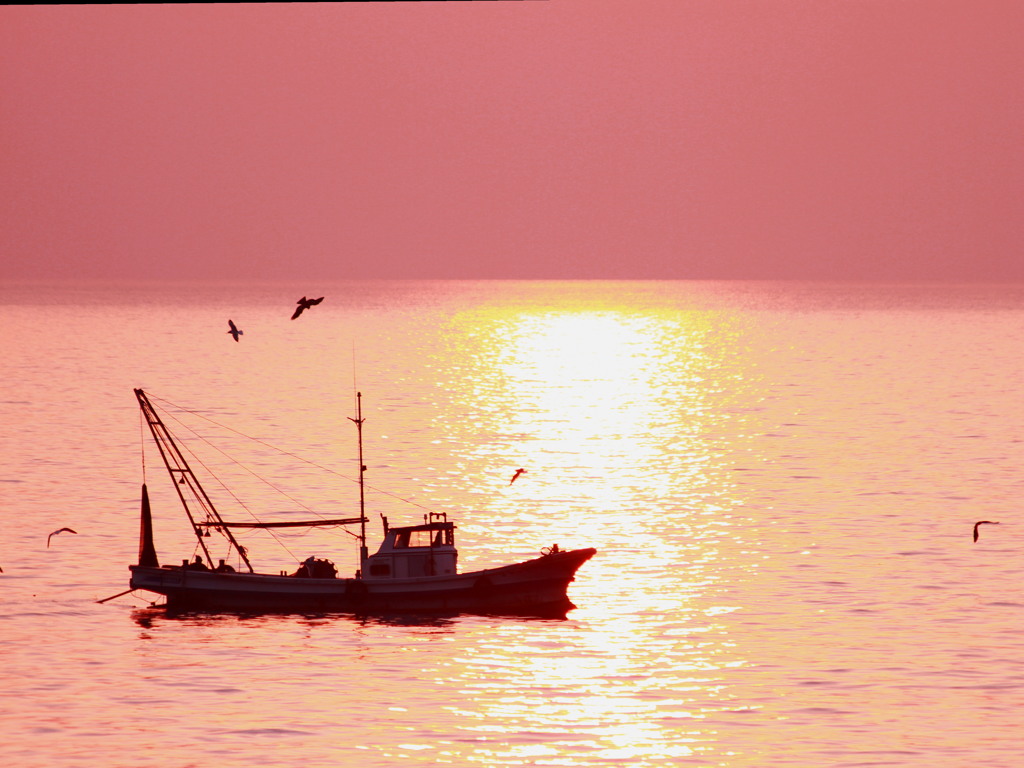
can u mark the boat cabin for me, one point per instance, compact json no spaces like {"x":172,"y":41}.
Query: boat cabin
{"x":415,"y":550}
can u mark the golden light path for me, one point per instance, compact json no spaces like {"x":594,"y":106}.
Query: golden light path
{"x":613,"y":415}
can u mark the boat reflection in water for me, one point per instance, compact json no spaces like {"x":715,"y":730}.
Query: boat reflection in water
{"x":415,"y":569}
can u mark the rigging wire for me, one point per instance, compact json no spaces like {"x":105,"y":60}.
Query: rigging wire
{"x":242,"y":466}
{"x":220,"y":482}
{"x":178,"y":422}
{"x":280,"y":450}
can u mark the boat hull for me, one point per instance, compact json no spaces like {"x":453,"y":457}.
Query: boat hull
{"x":532,"y":588}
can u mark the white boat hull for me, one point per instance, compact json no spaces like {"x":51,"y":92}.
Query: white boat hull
{"x":532,"y":588}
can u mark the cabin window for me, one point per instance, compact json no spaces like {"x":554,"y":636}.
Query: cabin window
{"x":380,"y":569}
{"x":420,"y":539}
{"x":430,"y":538}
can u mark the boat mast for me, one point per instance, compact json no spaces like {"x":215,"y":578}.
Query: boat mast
{"x":363,"y":554}
{"x":182,"y":475}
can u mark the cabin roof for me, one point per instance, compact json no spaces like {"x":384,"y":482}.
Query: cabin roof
{"x":435,"y":526}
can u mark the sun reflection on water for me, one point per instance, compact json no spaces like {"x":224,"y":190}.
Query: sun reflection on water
{"x":585,"y":399}
{"x":600,"y":699}
{"x":617,"y":417}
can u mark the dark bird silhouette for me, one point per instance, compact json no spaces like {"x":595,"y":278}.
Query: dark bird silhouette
{"x":305,"y":304}
{"x":517,"y":474}
{"x":59,"y":530}
{"x":983,"y":522}
{"x":235,"y":333}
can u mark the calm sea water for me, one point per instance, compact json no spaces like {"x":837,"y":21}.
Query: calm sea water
{"x":780,"y":480}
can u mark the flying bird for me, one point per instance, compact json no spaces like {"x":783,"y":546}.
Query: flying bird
{"x":235,"y":333}
{"x":305,"y":304}
{"x":983,"y":522}
{"x":517,"y":474}
{"x":59,"y":530}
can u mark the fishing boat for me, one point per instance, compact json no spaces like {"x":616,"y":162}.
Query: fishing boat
{"x":414,"y":570}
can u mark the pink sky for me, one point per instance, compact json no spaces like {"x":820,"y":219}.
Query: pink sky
{"x":853,"y":139}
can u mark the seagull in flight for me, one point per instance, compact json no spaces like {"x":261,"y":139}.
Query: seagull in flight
{"x":59,"y":530}
{"x":305,"y":304}
{"x":983,"y":522}
{"x":235,"y":333}
{"x":519,"y":472}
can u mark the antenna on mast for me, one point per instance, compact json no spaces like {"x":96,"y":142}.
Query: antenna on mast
{"x":355,"y":386}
